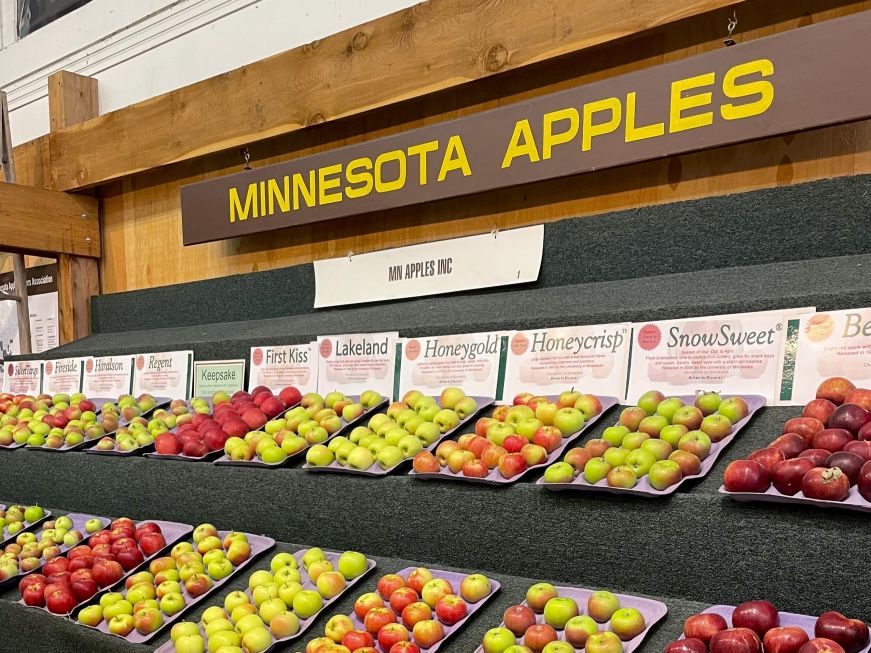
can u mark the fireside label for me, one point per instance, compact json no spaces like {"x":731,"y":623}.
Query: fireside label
{"x":591,"y":358}
{"x":63,"y":375}
{"x":277,"y":367}
{"x":165,"y":374}
{"x":474,"y":362}
{"x":725,"y":353}
{"x":108,"y":376}
{"x":836,"y":343}
{"x":22,"y":377}
{"x":218,"y":376}
{"x":357,"y":362}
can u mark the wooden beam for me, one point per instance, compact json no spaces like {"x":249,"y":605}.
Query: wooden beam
{"x":429,"y":47}
{"x":78,"y":280}
{"x":38,"y":220}
{"x":72,"y":99}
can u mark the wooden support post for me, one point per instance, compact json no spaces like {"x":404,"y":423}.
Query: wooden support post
{"x":73,"y":99}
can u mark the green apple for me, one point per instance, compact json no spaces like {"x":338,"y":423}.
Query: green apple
{"x":601,"y":605}
{"x":409,"y":445}
{"x":312,"y":555}
{"x":428,"y":433}
{"x":496,"y":640}
{"x":358,"y":433}
{"x":659,"y":448}
{"x":616,"y":456}
{"x":559,"y":473}
{"x":343,"y":451}
{"x":708,"y":402}
{"x":273,"y":455}
{"x":256,"y":640}
{"x":361,"y":458}
{"x":219,"y":569}
{"x":568,"y":420}
{"x":663,"y":474}
{"x":389,"y":457}
{"x":595,"y":470}
{"x":183,"y":629}
{"x":370,"y":399}
{"x":640,"y":461}
{"x":226,"y":639}
{"x":623,"y":476}
{"x":394,"y":435}
{"x":235,"y":599}
{"x":376,"y":446}
{"x":668,"y":407}
{"x":337,"y":442}
{"x":172,"y":603}
{"x":287,"y":575}
{"x":634,"y":440}
{"x":558,"y":611}
{"x":404,"y":416}
{"x":319,"y":456}
{"x":527,"y":427}
{"x":615,"y":434}
{"x":650,"y":400}
{"x":259,"y":577}
{"x":428,"y":413}
{"x":190,"y":644}
{"x":446,"y":419}
{"x":673,"y":433}
{"x":265,"y":592}
{"x":307,"y":603}
{"x":352,"y":564}
{"x":281,"y":560}
{"x":288,"y":590}
{"x":270,"y":608}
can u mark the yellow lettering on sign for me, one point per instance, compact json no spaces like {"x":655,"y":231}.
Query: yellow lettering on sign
{"x":421,"y":151}
{"x":610,"y":104}
{"x":364,"y":177}
{"x":382,"y":186}
{"x":308,"y":192}
{"x":325,"y":184}
{"x":734,"y":89}
{"x":455,"y":158}
{"x":237,"y":212}
{"x":275,"y":195}
{"x":634,"y":133}
{"x":680,"y":103}
{"x":549,"y":138}
{"x":522,"y":144}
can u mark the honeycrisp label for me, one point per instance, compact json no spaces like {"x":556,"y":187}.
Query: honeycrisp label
{"x":277,"y":367}
{"x":836,"y":343}
{"x":22,"y":377}
{"x":591,"y":358}
{"x":474,"y":362}
{"x":108,"y":376}
{"x":727,"y":353}
{"x":165,"y":374}
{"x":358,"y":362}
{"x":63,"y":375}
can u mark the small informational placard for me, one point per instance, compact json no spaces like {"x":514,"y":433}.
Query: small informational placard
{"x":218,"y":376}
{"x":108,"y":376}
{"x":42,"y":303}
{"x":23,"y":377}
{"x":592,"y":358}
{"x":63,"y":375}
{"x":474,"y":362}
{"x":277,"y":367}
{"x":740,"y":353}
{"x":354,"y":363}
{"x":165,"y":374}
{"x":836,"y":343}
{"x":485,"y":261}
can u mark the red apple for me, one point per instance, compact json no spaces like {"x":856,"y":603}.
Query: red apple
{"x":851,"y":634}
{"x":767,"y":457}
{"x":785,"y":639}
{"x":402,"y":597}
{"x":820,"y":409}
{"x":758,"y":616}
{"x":60,"y":601}
{"x":818,"y":456}
{"x":377,"y":618}
{"x":357,"y":639}
{"x":787,"y":474}
{"x":388,"y":584}
{"x":860,"y":397}
{"x":847,"y":462}
{"x":291,"y":396}
{"x":736,"y":640}
{"x":850,"y":417}
{"x":806,"y":427}
{"x":822,"y":645}
{"x":827,"y":483}
{"x":864,"y":481}
{"x":746,"y":476}
{"x":861,"y":448}
{"x":511,"y":464}
{"x":791,"y":444}
{"x":832,"y":440}
{"x":687,"y":645}
{"x":548,"y":437}
{"x":451,"y":609}
{"x":151,"y":543}
{"x":518,"y":618}
{"x":835,"y":389}
{"x":34,"y":594}
{"x":538,"y":636}
{"x":391,"y":634}
{"x":704,"y":626}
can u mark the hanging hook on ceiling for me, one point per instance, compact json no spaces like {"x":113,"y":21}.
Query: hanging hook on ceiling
{"x":731,"y":25}
{"x":246,"y":157}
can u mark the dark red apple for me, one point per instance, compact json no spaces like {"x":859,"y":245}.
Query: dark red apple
{"x":767,"y":457}
{"x":861,"y":448}
{"x":758,"y":616}
{"x":864,"y":481}
{"x":832,"y":440}
{"x":865,"y":432}
{"x":787,"y":475}
{"x":818,"y":456}
{"x":786,"y":639}
{"x":822,"y":645}
{"x":847,"y":462}
{"x":850,"y":417}
{"x":852,"y":634}
{"x":827,"y":483}
{"x":835,"y":389}
{"x":806,"y":427}
{"x":820,"y":409}
{"x":687,"y":645}
{"x":791,"y":444}
{"x":746,"y":476}
{"x":703,"y":626}
{"x":736,"y":640}
{"x":195,"y":449}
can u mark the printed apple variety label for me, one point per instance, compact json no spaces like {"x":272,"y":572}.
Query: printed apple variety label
{"x":353,"y":363}
{"x":63,"y":375}
{"x":23,"y":377}
{"x":218,"y":376}
{"x":108,"y":376}
{"x":277,"y":367}
{"x":164,"y":374}
{"x":591,"y":358}
{"x":725,"y":353}
{"x":474,"y":362}
{"x":836,"y":343}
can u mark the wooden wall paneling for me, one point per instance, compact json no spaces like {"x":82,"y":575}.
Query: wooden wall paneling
{"x":432,"y":46}
{"x":72,"y":99}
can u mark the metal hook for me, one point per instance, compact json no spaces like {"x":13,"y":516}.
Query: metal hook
{"x":246,"y":156}
{"x":731,"y":25}
{"x":495,"y":232}
{"x":350,"y":254}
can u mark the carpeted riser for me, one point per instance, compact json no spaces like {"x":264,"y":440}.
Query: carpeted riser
{"x":806,"y":221}
{"x":697,"y":545}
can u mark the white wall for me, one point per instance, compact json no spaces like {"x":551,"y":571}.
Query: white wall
{"x":141,"y":48}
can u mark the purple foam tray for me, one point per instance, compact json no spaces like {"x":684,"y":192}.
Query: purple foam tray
{"x":495,"y":478}
{"x":653,"y":612}
{"x":304,"y":624}
{"x":84,"y":444}
{"x":211,"y":455}
{"x":78,"y":525}
{"x":803,"y":621}
{"x":172,"y":532}
{"x":454,"y":578}
{"x":5,"y":538}
{"x":375,"y":469}
{"x":854,"y":500}
{"x":225,"y":460}
{"x":145,"y":448}
{"x":14,"y":445}
{"x":643,"y":488}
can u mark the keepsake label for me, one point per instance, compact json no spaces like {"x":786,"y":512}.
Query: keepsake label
{"x":218,"y":376}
